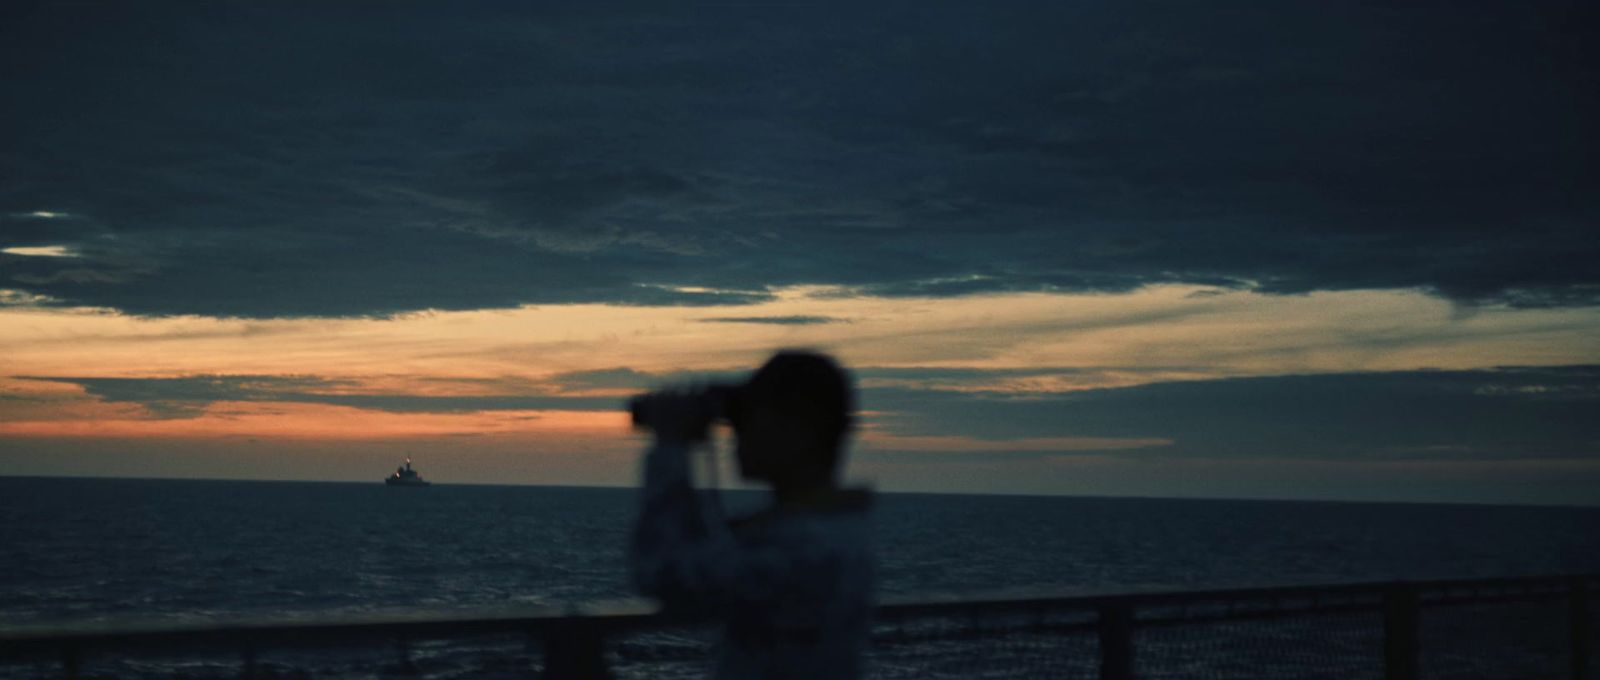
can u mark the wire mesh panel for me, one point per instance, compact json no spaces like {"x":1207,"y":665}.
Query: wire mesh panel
{"x":36,"y":669}
{"x":1061,"y":645}
{"x":1335,"y":646}
{"x":669,"y":654}
{"x":1521,"y":629}
{"x":492,"y":657}
{"x":1592,"y":642}
{"x":1510,"y":640}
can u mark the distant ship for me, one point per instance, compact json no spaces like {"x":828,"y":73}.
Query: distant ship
{"x":405,"y":476}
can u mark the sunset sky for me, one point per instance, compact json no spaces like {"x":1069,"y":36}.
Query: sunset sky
{"x":1290,"y":250}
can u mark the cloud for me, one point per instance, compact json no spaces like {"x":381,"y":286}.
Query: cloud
{"x":958,"y":447}
{"x":1491,"y":414}
{"x":1022,"y":381}
{"x":40,"y":251}
{"x":190,"y":396}
{"x":795,"y":320}
{"x":604,"y":379}
{"x":462,"y":158}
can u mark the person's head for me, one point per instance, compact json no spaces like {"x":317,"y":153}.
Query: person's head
{"x":793,"y":416}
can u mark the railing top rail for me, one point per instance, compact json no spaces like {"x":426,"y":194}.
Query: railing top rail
{"x":622,"y":615}
{"x":419,"y":623}
{"x":1153,"y":596}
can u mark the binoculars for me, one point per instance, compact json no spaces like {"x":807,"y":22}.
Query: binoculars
{"x":721,"y":401}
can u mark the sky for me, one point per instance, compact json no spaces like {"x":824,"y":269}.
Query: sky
{"x":1266,"y":250}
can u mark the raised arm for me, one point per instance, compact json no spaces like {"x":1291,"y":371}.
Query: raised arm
{"x":683,"y":553}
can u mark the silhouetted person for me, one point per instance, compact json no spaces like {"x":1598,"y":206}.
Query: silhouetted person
{"x":792,"y":583}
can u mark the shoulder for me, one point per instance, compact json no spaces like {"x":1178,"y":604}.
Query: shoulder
{"x":831,"y":506}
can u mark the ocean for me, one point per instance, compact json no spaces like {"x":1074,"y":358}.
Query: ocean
{"x":92,"y":551}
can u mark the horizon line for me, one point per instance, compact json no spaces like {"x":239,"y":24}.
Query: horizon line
{"x":744,"y":489}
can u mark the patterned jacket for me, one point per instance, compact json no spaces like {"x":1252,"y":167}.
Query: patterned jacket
{"x":792,"y":586}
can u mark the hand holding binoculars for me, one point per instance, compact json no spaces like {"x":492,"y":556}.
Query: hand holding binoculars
{"x":685,"y":412}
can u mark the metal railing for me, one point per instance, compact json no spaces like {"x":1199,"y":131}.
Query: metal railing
{"x":1114,"y":625}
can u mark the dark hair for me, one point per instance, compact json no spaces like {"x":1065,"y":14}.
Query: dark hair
{"x":807,"y":385}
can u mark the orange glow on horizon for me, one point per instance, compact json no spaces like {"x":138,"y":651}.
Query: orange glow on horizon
{"x":1161,"y":333}
{"x":1147,"y":334}
{"x":279,"y":420}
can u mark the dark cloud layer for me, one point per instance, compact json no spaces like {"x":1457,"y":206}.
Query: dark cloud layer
{"x":1506,"y":413}
{"x":795,"y":320}
{"x":252,"y":160}
{"x":188,"y":397}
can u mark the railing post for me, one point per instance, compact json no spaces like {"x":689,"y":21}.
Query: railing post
{"x":1400,"y":623}
{"x":402,"y":652}
{"x":1578,"y":615}
{"x":69,"y":662}
{"x":1116,"y":641}
{"x":574,"y":650}
{"x":247,"y":660}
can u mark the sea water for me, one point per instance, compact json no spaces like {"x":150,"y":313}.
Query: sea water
{"x":92,"y":551}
